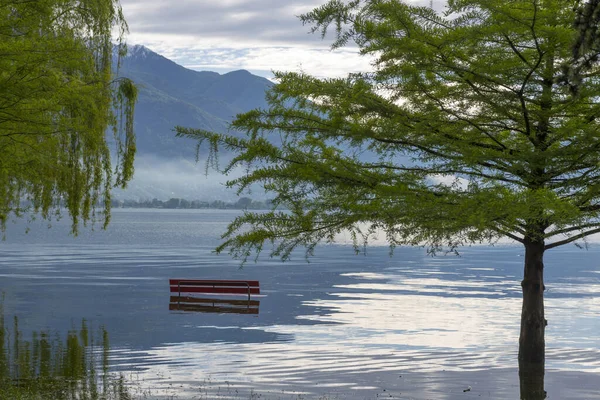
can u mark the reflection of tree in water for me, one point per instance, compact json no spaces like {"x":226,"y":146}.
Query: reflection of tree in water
{"x":46,"y":367}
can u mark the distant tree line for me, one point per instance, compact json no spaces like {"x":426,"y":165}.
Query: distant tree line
{"x":177,"y":203}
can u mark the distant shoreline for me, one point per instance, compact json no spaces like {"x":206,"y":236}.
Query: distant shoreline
{"x":243,"y":203}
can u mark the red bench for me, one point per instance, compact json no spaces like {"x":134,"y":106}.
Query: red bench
{"x":213,"y":286}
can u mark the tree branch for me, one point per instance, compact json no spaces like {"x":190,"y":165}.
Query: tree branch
{"x":571,"y":229}
{"x":571,"y":239}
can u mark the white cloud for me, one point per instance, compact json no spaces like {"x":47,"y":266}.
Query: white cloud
{"x":449,"y":180}
{"x":221,"y":56}
{"x":226,"y":35}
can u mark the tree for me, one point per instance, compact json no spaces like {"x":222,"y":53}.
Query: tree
{"x":243,"y":202}
{"x":475,"y":96}
{"x":58,"y":97}
{"x":173,"y":203}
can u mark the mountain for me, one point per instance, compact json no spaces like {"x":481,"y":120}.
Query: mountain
{"x":171,"y":95}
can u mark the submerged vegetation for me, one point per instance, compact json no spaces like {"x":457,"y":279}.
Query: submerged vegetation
{"x":47,"y":367}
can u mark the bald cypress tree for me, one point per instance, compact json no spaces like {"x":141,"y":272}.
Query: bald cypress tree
{"x":58,"y":97}
{"x":473,"y":96}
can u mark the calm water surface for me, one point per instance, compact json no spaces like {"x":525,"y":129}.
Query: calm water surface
{"x":343,"y":326}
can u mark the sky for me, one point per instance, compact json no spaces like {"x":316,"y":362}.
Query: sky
{"x":225,"y":35}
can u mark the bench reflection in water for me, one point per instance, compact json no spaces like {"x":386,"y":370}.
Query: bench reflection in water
{"x":218,"y":288}
{"x":213,"y":305}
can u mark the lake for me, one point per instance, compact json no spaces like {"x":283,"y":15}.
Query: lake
{"x":342,"y":326}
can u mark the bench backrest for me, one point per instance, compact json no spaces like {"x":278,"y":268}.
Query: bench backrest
{"x":213,"y":286}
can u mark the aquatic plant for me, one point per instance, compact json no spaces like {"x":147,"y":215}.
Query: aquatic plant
{"x":49,"y":367}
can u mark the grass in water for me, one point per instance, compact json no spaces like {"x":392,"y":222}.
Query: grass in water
{"x":49,"y":367}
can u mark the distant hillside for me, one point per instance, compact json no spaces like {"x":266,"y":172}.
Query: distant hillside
{"x":173,"y":95}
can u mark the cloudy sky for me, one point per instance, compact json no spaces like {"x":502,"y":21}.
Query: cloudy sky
{"x":226,"y":35}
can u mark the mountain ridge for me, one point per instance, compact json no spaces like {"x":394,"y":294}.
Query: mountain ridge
{"x":171,"y":95}
{"x":208,"y":100}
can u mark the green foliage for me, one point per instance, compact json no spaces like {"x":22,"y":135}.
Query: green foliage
{"x":586,"y":44}
{"x":57,"y":99}
{"x":464,"y":132}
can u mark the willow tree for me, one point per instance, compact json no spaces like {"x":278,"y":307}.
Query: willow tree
{"x":58,"y":97}
{"x":462,"y":133}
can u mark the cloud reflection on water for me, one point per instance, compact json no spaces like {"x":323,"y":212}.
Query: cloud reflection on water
{"x":400,"y":326}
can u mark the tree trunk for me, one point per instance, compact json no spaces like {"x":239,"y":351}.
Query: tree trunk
{"x":533,"y":323}
{"x":531,"y":380}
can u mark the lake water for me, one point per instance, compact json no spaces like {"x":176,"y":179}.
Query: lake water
{"x":342,"y":326}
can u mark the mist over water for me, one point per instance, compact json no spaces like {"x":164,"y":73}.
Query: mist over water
{"x":162,"y":178}
{"x":345,"y":326}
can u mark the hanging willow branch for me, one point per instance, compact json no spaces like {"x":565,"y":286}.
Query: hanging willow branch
{"x":58,"y":99}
